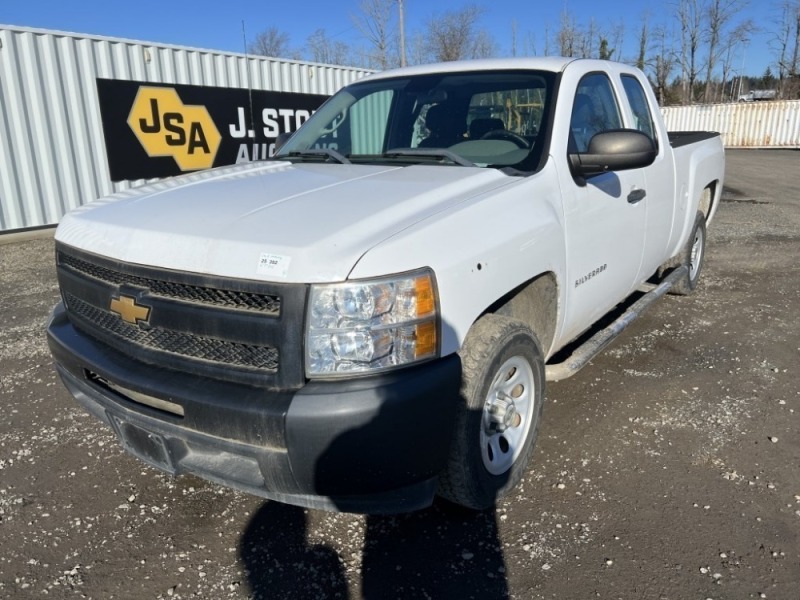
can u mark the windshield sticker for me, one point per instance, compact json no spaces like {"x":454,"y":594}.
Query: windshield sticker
{"x":273,"y":264}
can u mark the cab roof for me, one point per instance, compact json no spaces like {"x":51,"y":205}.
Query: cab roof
{"x":555,"y":64}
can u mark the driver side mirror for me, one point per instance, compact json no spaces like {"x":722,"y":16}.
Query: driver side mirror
{"x":613,"y":150}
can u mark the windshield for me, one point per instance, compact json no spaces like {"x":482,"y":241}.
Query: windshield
{"x":486,"y":119}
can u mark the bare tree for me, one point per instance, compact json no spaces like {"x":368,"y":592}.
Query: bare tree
{"x":794,"y":66}
{"x":793,"y":90}
{"x":789,"y":56}
{"x":455,"y":35}
{"x":513,"y":37}
{"x":547,"y":40}
{"x":617,"y":37}
{"x":484,"y":46}
{"x":727,"y":69}
{"x":590,"y":41}
{"x":690,"y":18}
{"x":663,"y":63}
{"x":376,"y":22}
{"x":719,"y":14}
{"x":272,"y":42}
{"x":567,"y":36}
{"x":529,"y":48}
{"x":323,"y":49}
{"x":643,"y":40}
{"x":739,"y":36}
{"x":781,"y":41}
{"x":586,"y":40}
{"x":417,"y":49}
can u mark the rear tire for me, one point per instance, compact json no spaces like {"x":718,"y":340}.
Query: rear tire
{"x":502,"y":398}
{"x":692,"y":256}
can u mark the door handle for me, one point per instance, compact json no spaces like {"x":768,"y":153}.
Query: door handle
{"x":636,"y":195}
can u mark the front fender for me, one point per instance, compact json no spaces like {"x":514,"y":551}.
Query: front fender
{"x":480,"y":250}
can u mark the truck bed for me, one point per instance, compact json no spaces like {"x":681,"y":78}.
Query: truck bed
{"x":684,"y":138}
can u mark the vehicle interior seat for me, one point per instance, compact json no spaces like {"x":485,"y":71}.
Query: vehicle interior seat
{"x":444,"y":126}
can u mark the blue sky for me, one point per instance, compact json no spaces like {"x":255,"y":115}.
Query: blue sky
{"x":216,"y":24}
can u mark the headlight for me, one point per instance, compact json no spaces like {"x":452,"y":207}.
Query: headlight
{"x":371,"y":325}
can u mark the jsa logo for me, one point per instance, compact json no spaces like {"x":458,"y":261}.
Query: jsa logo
{"x":165,"y":126}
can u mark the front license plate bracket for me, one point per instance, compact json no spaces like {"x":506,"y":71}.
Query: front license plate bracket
{"x":145,"y":445}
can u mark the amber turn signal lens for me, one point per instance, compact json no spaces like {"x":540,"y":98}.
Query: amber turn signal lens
{"x":426,"y":340}
{"x":426,"y":303}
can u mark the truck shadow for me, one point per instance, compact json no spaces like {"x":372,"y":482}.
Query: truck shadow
{"x":443,"y":551}
{"x":439,"y":552}
{"x":279,"y":561}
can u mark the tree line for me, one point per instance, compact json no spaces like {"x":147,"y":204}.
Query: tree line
{"x":690,"y":52}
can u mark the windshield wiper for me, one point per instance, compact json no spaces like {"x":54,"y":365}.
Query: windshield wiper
{"x":321,"y":152}
{"x":430,"y":153}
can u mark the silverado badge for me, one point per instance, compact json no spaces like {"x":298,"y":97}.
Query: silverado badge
{"x":126,"y":307}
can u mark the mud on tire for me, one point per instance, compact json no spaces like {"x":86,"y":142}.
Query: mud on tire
{"x":502,"y":398}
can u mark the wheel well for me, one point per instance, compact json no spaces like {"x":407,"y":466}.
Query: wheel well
{"x":535,"y":303}
{"x":707,"y":198}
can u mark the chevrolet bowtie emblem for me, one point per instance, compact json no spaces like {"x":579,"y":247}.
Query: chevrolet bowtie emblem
{"x":126,"y":307}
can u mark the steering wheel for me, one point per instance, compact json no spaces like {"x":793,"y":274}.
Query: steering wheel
{"x":504,"y":134}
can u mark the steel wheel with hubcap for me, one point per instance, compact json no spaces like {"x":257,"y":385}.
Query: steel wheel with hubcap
{"x":502,"y":397}
{"x":506,"y":415}
{"x":696,"y":253}
{"x":692,"y":256}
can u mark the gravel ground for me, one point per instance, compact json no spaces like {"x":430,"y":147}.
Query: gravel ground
{"x":667,"y":468}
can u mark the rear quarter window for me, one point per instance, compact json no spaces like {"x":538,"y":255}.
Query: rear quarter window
{"x":639,"y":106}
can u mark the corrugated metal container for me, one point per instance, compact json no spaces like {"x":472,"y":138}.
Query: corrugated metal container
{"x":742,"y":125}
{"x":52,"y":152}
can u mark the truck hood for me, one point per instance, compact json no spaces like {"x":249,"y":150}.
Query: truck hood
{"x":272,"y":221}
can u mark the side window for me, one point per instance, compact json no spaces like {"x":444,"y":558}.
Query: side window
{"x":639,"y":105}
{"x":595,"y":109}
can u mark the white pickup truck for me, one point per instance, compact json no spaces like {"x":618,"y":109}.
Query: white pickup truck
{"x":368,"y":319}
{"x":758,"y":95}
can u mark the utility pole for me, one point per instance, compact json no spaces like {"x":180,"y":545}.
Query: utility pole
{"x":741,"y":74}
{"x":402,"y":33}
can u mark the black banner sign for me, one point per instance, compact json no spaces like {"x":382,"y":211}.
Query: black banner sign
{"x":159,"y":130}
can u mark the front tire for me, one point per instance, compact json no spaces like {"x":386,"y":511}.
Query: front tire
{"x":502,"y":399}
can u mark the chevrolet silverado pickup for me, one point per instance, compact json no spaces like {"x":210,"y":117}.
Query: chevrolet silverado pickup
{"x":368,"y":318}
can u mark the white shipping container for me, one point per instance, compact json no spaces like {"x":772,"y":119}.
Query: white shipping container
{"x":52,"y":150}
{"x":765,"y":124}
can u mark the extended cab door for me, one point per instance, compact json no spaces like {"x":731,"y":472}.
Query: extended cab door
{"x":659,"y":176}
{"x":604,"y":216}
